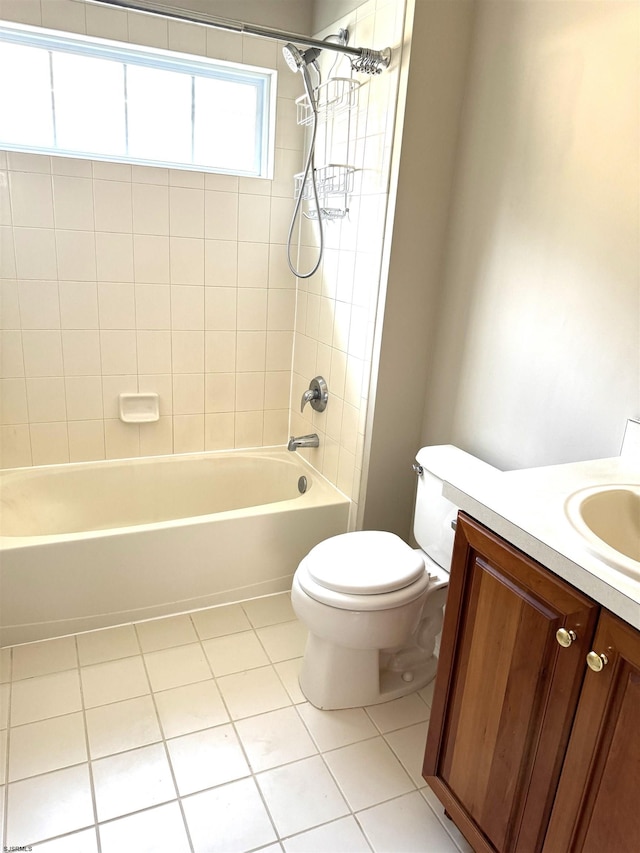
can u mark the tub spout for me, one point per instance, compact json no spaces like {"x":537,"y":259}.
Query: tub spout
{"x":303,"y":441}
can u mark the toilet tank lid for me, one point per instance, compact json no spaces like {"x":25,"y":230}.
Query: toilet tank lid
{"x":365,"y":562}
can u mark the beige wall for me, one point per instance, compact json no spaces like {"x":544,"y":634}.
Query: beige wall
{"x":538,"y":332}
{"x":439,"y":35}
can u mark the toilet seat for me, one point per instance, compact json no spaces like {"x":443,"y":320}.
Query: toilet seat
{"x":366,"y":562}
{"x":353,"y":562}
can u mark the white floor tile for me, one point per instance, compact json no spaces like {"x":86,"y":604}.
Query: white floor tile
{"x":275,"y":738}
{"x":234,"y":653}
{"x":44,"y":658}
{"x":399,"y":713}
{"x":190,"y":708}
{"x":205,"y":759}
{"x":284,"y":641}
{"x":165,"y":633}
{"x":220,"y":621}
{"x":448,"y":825}
{"x":175,"y":667}
{"x":46,"y":806}
{"x":47,"y":745}
{"x":368,"y":773}
{"x":408,"y":744}
{"x":132,"y":781}
{"x":333,"y":729}
{"x":113,"y":681}
{"x":289,"y":670}
{"x":45,"y":696}
{"x":405,"y":825}
{"x":427,"y":692}
{"x":228,"y":819}
{"x":301,"y":795}
{"x":122,"y":725}
{"x":79,"y":842}
{"x":108,"y":644}
{"x":342,"y":835}
{"x":253,"y":692}
{"x":157,"y":830}
{"x":269,"y":610}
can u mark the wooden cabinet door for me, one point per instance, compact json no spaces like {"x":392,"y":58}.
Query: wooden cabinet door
{"x":597,"y":808}
{"x":505,"y":693}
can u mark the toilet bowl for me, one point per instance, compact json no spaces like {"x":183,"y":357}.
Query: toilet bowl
{"x":373,"y":606}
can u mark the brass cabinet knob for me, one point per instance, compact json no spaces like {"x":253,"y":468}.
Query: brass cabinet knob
{"x":564,"y":637}
{"x":596,"y":662}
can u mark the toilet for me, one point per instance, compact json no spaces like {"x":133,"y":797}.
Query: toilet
{"x":373,"y":605}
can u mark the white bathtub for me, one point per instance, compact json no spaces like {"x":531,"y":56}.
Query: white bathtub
{"x":94,"y":544}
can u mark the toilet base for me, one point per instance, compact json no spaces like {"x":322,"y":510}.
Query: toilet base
{"x":351,"y":678}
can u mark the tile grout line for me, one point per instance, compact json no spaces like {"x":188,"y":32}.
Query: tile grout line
{"x":164,"y":739}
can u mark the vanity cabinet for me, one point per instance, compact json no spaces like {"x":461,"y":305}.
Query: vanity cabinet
{"x":526,"y":751}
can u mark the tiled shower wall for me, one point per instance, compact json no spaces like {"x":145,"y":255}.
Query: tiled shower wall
{"x":119,"y":278}
{"x":336,"y":308}
{"x":122,"y":278}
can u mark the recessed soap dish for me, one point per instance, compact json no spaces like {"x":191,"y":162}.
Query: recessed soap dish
{"x":139,"y":408}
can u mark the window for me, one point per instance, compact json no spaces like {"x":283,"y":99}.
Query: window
{"x":84,"y":97}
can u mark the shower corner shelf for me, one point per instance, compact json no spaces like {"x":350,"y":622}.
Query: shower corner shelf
{"x":335,"y":96}
{"x":332,"y":180}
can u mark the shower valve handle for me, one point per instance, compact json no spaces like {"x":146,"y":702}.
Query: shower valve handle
{"x":317,"y":395}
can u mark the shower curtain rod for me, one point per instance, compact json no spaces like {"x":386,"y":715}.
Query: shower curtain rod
{"x":365,"y":59}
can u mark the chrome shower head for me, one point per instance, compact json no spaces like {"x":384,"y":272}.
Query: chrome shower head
{"x":296,"y":59}
{"x":292,"y":57}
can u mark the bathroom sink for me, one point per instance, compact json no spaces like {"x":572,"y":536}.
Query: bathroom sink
{"x":608,"y":519}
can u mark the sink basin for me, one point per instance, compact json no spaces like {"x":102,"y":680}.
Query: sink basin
{"x":608,"y":519}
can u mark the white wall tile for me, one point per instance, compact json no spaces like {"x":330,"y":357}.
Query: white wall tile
{"x":253,"y":264}
{"x":9,"y":304}
{"x":39,"y":304}
{"x":121,"y":440}
{"x":13,"y":401}
{"x":220,"y":263}
{"x":220,"y":351}
{"x":116,"y":305}
{"x":106,"y":23}
{"x":154,"y":351}
{"x":188,"y":433}
{"x":112,"y":386}
{"x":187,"y":38}
{"x":220,"y":308}
{"x":187,"y":307}
{"x":188,"y":393}
{"x":73,"y":202}
{"x":248,"y":429}
{"x":118,"y":352}
{"x":249,"y":391}
{"x":11,"y":356}
{"x":81,"y":349}
{"x":156,"y":439}
{"x":114,"y":257}
{"x":220,"y":215}
{"x":31,"y":199}
{"x":187,"y":350}
{"x":49,"y":443}
{"x":86,"y":440}
{"x":113,"y":206}
{"x":279,"y":350}
{"x":153,"y":306}
{"x":187,"y":260}
{"x":150,"y":209}
{"x":251,"y":351}
{"x":219,"y":431}
{"x":281,"y":310}
{"x":78,"y":305}
{"x":64,"y":15}
{"x":254,"y":218}
{"x":35,"y":254}
{"x":42,"y":353}
{"x":84,"y":397}
{"x":252,"y":309}
{"x":186,"y":212}
{"x":46,"y":400}
{"x":15,"y":445}
{"x":7,"y":253}
{"x":22,"y":11}
{"x":220,"y":392}
{"x":151,"y":259}
{"x":76,"y":255}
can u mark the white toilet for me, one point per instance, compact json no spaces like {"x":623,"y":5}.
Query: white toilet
{"x":373,"y":605}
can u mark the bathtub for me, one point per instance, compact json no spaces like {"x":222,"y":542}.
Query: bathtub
{"x":95,"y":544}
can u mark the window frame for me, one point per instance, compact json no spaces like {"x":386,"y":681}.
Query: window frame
{"x":263,"y":80}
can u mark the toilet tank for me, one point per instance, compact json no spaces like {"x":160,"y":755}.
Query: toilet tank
{"x":434,"y":513}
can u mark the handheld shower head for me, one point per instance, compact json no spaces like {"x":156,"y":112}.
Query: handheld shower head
{"x":296,"y":59}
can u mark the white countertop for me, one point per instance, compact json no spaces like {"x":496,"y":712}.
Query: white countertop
{"x":526,"y":508}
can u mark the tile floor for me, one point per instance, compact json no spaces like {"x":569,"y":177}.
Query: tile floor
{"x":190,"y":733}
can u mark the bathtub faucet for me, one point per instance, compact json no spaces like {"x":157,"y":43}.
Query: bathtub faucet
{"x":303,"y":441}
